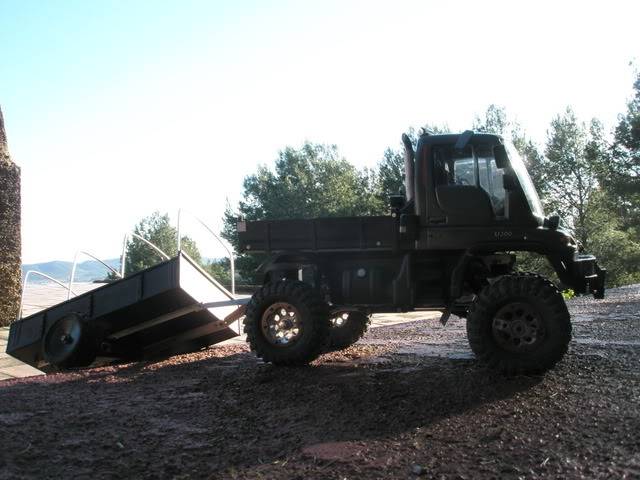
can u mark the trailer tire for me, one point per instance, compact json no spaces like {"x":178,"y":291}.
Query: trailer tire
{"x":344,"y":332}
{"x":519,"y":325}
{"x":69,"y":342}
{"x":287,"y":323}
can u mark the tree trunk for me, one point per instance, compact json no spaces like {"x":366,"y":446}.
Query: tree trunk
{"x":10,"y":239}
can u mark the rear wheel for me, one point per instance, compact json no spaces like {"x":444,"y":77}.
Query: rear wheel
{"x":69,"y":342}
{"x":519,"y":324}
{"x":347,"y":327}
{"x":287,"y":323}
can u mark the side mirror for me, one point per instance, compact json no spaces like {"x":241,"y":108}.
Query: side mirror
{"x":396,"y":201}
{"x":552,"y":222}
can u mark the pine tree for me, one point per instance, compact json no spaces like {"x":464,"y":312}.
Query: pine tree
{"x":623,"y":181}
{"x":570,"y":174}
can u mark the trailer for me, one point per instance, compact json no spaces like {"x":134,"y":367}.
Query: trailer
{"x":172,"y":307}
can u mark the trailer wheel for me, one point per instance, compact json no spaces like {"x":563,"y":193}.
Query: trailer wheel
{"x":69,"y":342}
{"x":287,"y":323}
{"x":347,"y":327}
{"x":519,"y":324}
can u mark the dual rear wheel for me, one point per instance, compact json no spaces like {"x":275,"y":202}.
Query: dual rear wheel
{"x":288,"y":323}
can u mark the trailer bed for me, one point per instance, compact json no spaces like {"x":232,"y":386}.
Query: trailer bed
{"x":169,"y":308}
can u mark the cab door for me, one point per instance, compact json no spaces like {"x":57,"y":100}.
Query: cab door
{"x":468,"y":187}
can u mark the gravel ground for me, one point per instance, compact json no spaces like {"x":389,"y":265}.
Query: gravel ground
{"x":407,"y":402}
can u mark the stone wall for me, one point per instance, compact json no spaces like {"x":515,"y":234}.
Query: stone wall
{"x":10,"y":237}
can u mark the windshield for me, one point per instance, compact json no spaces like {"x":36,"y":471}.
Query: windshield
{"x":525,"y":180}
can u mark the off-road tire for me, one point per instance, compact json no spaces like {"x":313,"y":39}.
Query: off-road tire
{"x":350,"y":332}
{"x":82,"y":351}
{"x":545,"y":299}
{"x":314,"y":313}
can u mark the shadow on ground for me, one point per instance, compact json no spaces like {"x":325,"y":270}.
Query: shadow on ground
{"x":218,"y":414}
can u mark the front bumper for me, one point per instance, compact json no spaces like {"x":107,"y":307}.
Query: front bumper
{"x":587,"y":276}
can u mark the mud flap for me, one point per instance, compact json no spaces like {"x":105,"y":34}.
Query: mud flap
{"x":445,"y":316}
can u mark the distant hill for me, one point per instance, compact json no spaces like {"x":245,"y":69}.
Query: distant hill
{"x":86,"y":271}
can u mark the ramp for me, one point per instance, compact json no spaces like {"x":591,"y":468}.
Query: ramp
{"x":172,"y":307}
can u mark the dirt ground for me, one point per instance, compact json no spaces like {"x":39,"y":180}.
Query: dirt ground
{"x":407,"y":402}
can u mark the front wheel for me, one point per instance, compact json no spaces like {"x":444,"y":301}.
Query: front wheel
{"x":287,"y":323}
{"x":519,"y":324}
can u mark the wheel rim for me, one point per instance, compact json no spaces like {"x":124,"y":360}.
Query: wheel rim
{"x":281,"y":324}
{"x":63,"y":339}
{"x":517,"y":327}
{"x":339,"y":320}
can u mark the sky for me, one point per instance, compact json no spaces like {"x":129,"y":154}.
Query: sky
{"x":116,"y":109}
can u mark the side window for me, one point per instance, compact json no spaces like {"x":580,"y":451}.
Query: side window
{"x":490,"y":177}
{"x":464,"y":172}
{"x":454,"y":168}
{"x":475,"y":166}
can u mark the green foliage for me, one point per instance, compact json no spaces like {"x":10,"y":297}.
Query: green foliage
{"x":616,"y":248}
{"x":620,"y":254}
{"x":623,"y":174}
{"x":310,"y":182}
{"x":157,"y":229}
{"x":534,"y":262}
{"x":577,"y":172}
{"x":220,"y":270}
{"x":496,"y":121}
{"x":391,"y":173}
{"x":434,"y":128}
{"x":571,"y":174}
{"x":568,"y":294}
{"x":533,"y":159}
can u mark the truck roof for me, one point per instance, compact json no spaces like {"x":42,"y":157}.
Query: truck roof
{"x":446,"y":138}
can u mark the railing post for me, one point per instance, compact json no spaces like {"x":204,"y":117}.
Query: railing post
{"x":123,"y":257}
{"x":228,"y":250}
{"x":24,"y":287}
{"x":179,"y":236}
{"x":73,"y":274}
{"x":75,"y":262}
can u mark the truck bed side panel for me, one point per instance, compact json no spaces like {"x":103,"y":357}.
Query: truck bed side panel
{"x":323,"y":234}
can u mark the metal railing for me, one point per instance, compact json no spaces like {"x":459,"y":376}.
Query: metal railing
{"x":121,"y":273}
{"x":224,"y":245}
{"x":26,"y":281}
{"x":145,"y":241}
{"x":75,"y":264}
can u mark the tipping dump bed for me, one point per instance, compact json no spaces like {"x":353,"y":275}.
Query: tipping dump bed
{"x":155,"y":312}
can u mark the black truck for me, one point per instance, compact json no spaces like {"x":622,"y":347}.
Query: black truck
{"x":450,"y":243}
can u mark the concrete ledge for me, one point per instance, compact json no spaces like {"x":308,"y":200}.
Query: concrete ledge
{"x":11,"y":367}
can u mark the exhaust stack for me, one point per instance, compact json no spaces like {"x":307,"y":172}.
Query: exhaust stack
{"x":409,"y":167}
